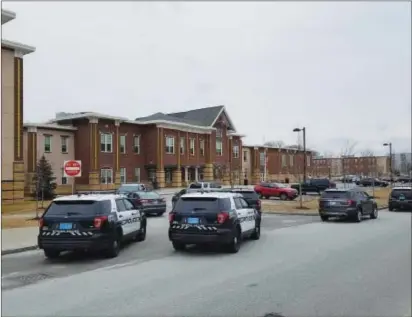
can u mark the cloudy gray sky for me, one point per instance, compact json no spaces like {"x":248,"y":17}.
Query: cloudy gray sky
{"x":343,"y":70}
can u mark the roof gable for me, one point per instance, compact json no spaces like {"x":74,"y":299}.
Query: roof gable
{"x":205,"y":116}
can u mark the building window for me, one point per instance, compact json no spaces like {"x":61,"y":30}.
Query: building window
{"x":244,"y":156}
{"x":168,"y":176}
{"x":106,"y":176}
{"x":219,"y":148}
{"x":236,"y":151}
{"x":192,"y":146}
{"x":136,"y":144}
{"x":64,"y":143}
{"x":122,"y":175}
{"x":262,"y":158}
{"x":64,"y":178}
{"x":123,"y":144}
{"x":202,"y":147}
{"x":283,"y":160}
{"x":308,"y":160}
{"x":106,"y":142}
{"x":291,"y":160}
{"x":170,"y":145}
{"x":47,"y":143}
{"x":219,"y":133}
{"x":137,"y":174}
{"x":182,"y":146}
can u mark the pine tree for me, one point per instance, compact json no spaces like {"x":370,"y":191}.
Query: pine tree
{"x":44,"y":179}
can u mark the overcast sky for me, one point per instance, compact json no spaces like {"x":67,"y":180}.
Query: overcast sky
{"x":343,"y":70}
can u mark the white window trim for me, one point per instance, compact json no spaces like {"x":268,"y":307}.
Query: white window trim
{"x":136,"y":145}
{"x":192,"y":146}
{"x":123,"y":175}
{"x":202,"y":147}
{"x":182,"y":145}
{"x":236,"y":151}
{"x":104,"y":173}
{"x":170,"y":143}
{"x":64,"y":142}
{"x":137,"y":175}
{"x":122,"y":136}
{"x":47,"y":137}
{"x":284,"y":160}
{"x":219,"y":150}
{"x":106,"y":137}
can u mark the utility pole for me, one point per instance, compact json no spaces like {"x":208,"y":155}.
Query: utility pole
{"x":304,"y":150}
{"x":389,"y":144}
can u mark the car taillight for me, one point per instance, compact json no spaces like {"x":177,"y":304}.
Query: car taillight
{"x":41,"y":223}
{"x":98,"y":221}
{"x":222,"y":217}
{"x":351,"y":202}
{"x":171,"y":217}
{"x":258,"y":203}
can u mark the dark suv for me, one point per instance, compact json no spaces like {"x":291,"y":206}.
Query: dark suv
{"x":400,"y":198}
{"x":314,"y":185}
{"x":350,"y":203}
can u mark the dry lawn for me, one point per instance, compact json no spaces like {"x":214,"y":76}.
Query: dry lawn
{"x":11,"y":222}
{"x":23,"y":207}
{"x":310,"y":203}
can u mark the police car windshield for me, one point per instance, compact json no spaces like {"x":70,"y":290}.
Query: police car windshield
{"x":200,"y":204}
{"x":149,"y":195}
{"x":78,"y":207}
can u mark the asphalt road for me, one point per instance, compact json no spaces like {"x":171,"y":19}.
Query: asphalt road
{"x":299,"y":267}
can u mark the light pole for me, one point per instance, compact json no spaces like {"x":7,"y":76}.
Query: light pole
{"x":390,"y":160}
{"x":304,"y":150}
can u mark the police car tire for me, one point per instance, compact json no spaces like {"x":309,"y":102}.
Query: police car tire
{"x":256,"y":233}
{"x":114,"y":249}
{"x":178,"y":246}
{"x":141,"y":235}
{"x":234,"y":245}
{"x":51,"y":254}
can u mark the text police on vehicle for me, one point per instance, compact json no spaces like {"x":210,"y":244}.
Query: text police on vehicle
{"x":90,"y":222}
{"x":213,"y":217}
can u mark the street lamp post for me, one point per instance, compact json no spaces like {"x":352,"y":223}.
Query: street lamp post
{"x":390,"y":159}
{"x":304,"y":150}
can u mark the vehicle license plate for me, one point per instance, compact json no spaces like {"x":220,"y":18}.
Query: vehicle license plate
{"x":66,"y":226}
{"x":193,"y":221}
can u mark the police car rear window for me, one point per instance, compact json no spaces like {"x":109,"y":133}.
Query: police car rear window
{"x":198,"y":204}
{"x":78,"y":208}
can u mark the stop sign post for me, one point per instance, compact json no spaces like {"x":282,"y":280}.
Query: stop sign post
{"x":73,"y":169}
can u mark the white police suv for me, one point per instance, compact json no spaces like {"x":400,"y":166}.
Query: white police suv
{"x":90,"y":222}
{"x":213,"y":217}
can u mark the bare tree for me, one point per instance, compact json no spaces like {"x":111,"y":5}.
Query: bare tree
{"x":367,"y":153}
{"x":348,"y":150}
{"x":278,"y":144}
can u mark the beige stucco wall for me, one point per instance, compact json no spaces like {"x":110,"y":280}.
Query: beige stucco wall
{"x":7,"y":114}
{"x":56,"y":157}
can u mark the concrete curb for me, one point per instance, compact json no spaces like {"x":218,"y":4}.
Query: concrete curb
{"x":19,"y":250}
{"x":302,"y":213}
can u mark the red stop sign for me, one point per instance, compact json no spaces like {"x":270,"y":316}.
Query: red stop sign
{"x":72,"y":168}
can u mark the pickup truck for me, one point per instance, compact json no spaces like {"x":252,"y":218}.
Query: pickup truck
{"x":314,"y":185}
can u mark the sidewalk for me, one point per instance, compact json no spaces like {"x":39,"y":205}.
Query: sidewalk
{"x":18,"y":240}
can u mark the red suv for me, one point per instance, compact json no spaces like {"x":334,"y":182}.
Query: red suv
{"x":267,"y":190}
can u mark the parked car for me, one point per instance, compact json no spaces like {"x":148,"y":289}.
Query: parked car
{"x":368,"y":182}
{"x":267,"y":190}
{"x":314,"y":185}
{"x":400,"y":198}
{"x":150,"y":202}
{"x":347,"y":203}
{"x":404,"y":179}
{"x":250,"y":196}
{"x":131,"y":188}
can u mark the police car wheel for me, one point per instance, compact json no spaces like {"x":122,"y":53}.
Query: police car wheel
{"x":178,"y":246}
{"x":256,"y":233}
{"x":374,"y":213}
{"x":141,"y":236}
{"x":51,"y":254}
{"x":114,"y":249}
{"x":234,"y":245}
